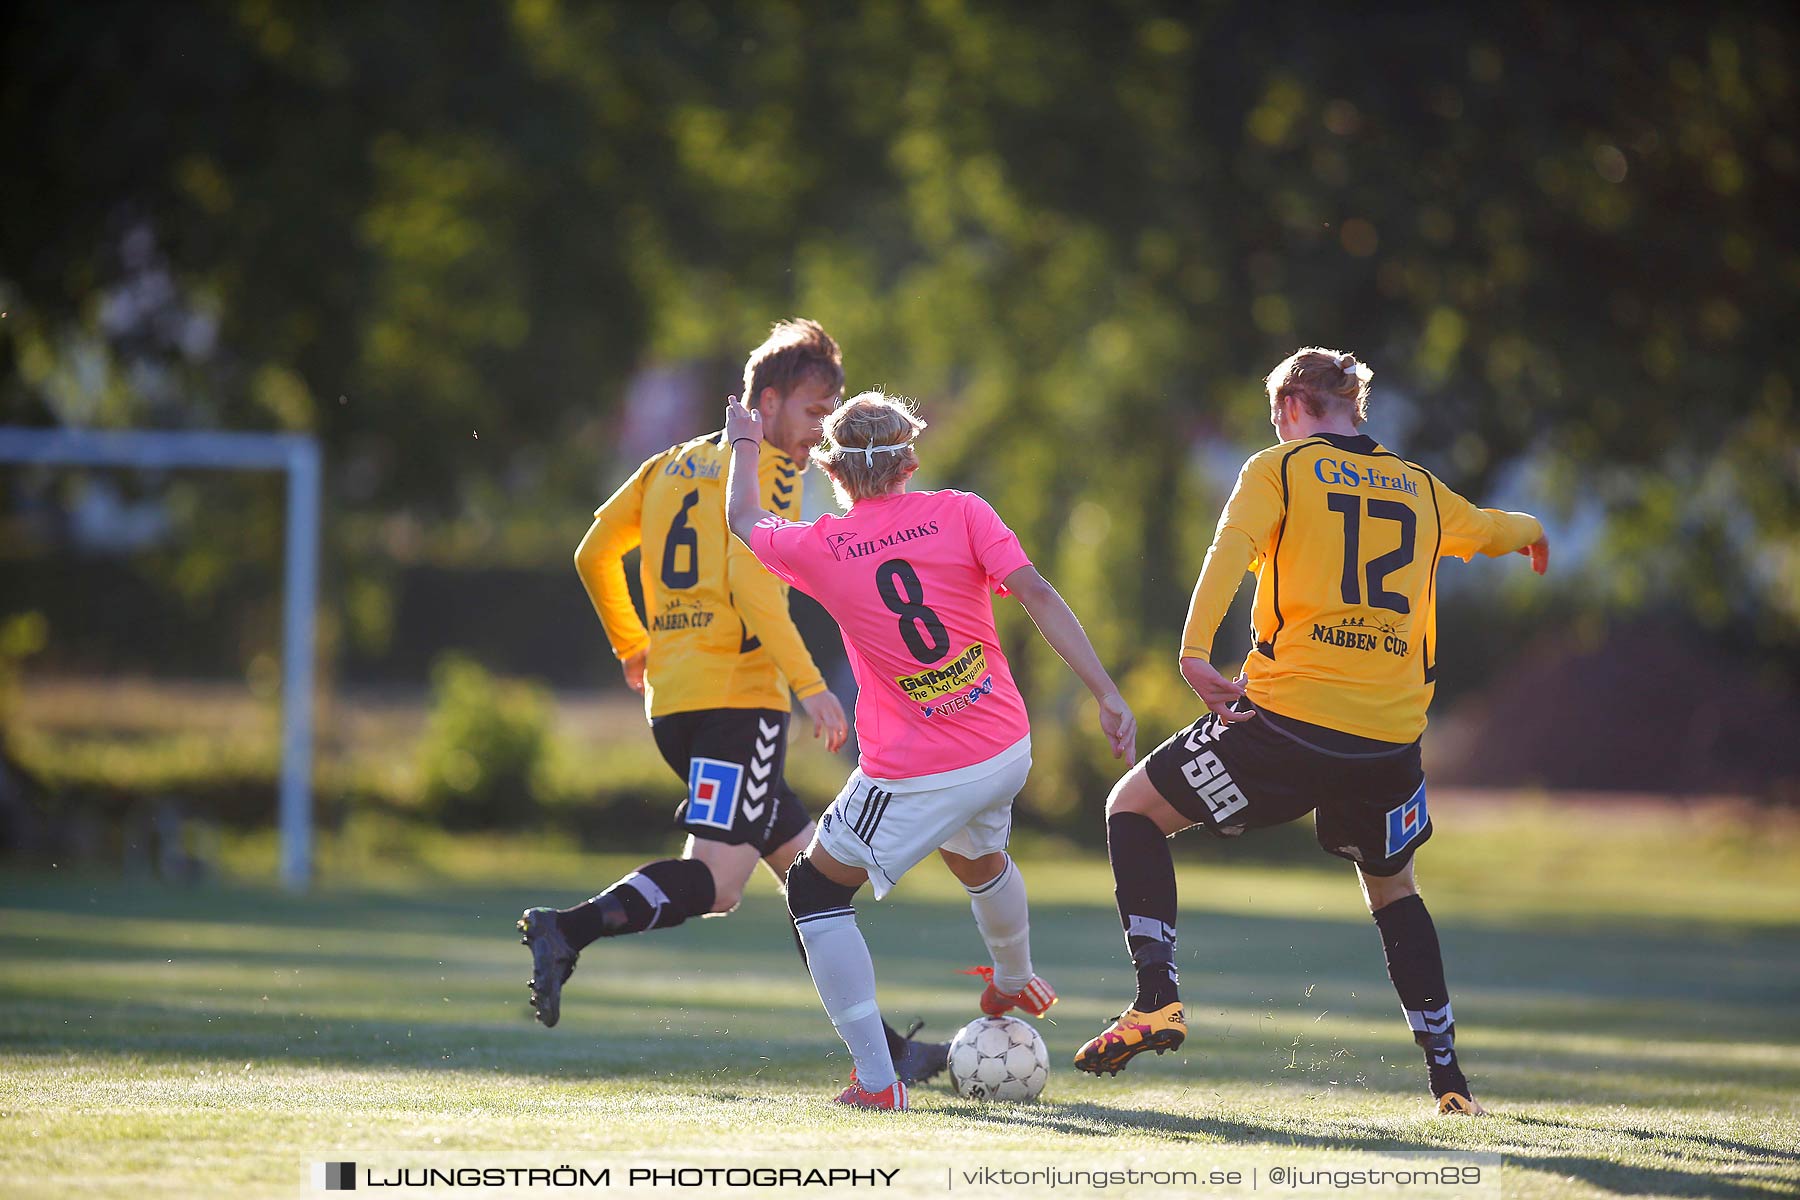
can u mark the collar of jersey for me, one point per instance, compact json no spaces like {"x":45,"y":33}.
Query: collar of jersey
{"x":1360,"y":443}
{"x":719,"y":437}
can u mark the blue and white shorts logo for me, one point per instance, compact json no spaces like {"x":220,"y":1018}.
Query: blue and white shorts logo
{"x":1406,"y":823}
{"x":713,"y":792}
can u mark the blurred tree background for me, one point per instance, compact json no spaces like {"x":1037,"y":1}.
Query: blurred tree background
{"x":447,"y":238}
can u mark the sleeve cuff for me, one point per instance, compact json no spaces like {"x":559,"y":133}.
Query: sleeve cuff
{"x":1516,"y":531}
{"x":1204,"y":652}
{"x":631,"y":648}
{"x":1000,"y":588}
{"x":810,"y":690}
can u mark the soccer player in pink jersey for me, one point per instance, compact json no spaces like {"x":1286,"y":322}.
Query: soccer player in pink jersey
{"x":945,"y":739}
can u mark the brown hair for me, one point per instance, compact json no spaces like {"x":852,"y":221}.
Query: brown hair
{"x":1324,"y":380}
{"x":794,"y":350}
{"x":869,"y":419}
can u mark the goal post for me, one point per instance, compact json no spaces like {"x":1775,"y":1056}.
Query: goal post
{"x":298,"y":456}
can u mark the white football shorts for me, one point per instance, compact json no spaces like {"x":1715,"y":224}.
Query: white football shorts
{"x":889,"y":826}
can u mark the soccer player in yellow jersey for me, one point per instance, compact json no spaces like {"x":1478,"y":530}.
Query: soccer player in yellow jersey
{"x":1345,"y":538}
{"x":715,"y":666}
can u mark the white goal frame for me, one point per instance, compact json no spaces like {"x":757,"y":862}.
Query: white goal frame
{"x":298,"y":456}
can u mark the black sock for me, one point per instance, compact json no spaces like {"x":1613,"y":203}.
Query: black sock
{"x":658,"y":895}
{"x":1416,"y":965}
{"x":895,"y":1042}
{"x":1144,"y":885}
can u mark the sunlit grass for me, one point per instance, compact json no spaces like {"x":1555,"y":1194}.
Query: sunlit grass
{"x":1631,"y":1023}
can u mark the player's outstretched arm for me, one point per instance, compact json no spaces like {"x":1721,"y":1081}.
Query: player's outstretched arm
{"x":744,"y":433}
{"x":1468,"y":530}
{"x":1060,"y":627}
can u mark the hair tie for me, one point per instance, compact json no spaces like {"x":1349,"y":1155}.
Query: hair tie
{"x":869,"y":452}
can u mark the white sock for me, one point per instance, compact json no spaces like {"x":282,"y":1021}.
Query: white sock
{"x":841,"y":969}
{"x":1004,"y":918}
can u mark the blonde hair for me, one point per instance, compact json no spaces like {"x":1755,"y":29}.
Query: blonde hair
{"x":1324,"y":380}
{"x":853,"y":456}
{"x":795,"y":350}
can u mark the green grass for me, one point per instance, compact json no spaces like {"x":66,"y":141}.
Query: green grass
{"x":1627,"y":984}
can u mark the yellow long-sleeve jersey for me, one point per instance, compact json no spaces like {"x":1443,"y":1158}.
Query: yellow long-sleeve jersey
{"x":1344,"y":537}
{"x":719,"y":634}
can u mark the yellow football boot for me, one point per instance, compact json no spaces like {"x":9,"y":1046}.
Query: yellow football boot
{"x":1459,"y":1105}
{"x":1130,"y":1034}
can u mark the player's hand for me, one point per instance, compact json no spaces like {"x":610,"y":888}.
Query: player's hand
{"x":1119,"y":725}
{"x":1539,"y":553}
{"x":741,"y":422}
{"x":634,"y":671}
{"x":827,"y":718}
{"x":1217,"y":691}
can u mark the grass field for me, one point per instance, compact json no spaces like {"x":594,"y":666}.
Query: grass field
{"x":1627,"y":983}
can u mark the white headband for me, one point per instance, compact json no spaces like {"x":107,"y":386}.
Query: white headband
{"x":869,"y":452}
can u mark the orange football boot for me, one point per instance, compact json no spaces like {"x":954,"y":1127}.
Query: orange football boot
{"x":891,"y":1098}
{"x":1131,"y":1033}
{"x":1035,"y":997}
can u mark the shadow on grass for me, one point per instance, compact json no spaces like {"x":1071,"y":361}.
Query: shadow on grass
{"x":1770,"y":1154}
{"x":1641,"y":1180}
{"x":169,"y":1035}
{"x":694,"y":1060}
{"x":1751,"y":966}
{"x":737,"y":1002}
{"x":719,"y":1034}
{"x":1084,"y":1119}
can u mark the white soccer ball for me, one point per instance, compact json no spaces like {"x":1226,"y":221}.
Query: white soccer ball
{"x":999,"y":1058}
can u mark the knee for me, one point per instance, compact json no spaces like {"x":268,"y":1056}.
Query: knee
{"x":810,"y":894}
{"x":1128,"y":795}
{"x":1381,"y":892}
{"x":974,"y":872}
{"x":1118,"y":800}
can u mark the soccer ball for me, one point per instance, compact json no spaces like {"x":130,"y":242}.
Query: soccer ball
{"x":998,"y":1058}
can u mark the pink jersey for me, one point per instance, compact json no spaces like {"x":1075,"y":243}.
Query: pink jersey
{"x":908,"y":578}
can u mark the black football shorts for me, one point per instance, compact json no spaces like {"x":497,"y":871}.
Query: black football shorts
{"x":1369,"y":796}
{"x":732,"y":761}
